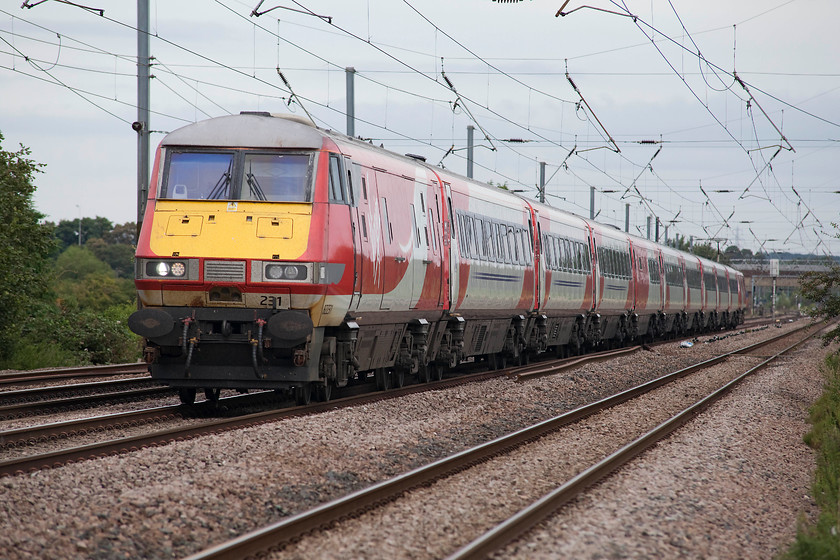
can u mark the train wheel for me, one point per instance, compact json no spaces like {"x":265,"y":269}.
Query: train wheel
{"x":187,"y":395}
{"x":436,"y":371}
{"x":423,"y":374}
{"x":383,"y":379}
{"x":325,"y":391}
{"x":212,"y":395}
{"x":303,"y":394}
{"x":398,"y":376}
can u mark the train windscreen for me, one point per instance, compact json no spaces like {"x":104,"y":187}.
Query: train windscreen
{"x":238,"y":175}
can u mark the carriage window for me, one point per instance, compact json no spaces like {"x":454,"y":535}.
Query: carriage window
{"x":386,"y":223}
{"x":199,"y":176}
{"x":416,"y":229}
{"x":490,"y":247}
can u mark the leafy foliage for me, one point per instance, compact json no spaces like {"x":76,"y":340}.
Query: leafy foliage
{"x":821,"y":540}
{"x":25,"y":243}
{"x":64,"y":336}
{"x":67,"y":231}
{"x":83,"y":281}
{"x":823,"y":289}
{"x":60,"y":304}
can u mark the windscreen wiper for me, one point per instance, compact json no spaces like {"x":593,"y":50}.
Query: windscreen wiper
{"x":255,"y":187}
{"x":222,"y":187}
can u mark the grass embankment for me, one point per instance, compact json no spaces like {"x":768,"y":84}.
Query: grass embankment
{"x":822,"y":540}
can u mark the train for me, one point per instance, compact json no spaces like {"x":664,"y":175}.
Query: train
{"x":274,"y":254}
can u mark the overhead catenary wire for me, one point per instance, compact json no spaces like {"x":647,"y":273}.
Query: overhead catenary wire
{"x":594,"y":162}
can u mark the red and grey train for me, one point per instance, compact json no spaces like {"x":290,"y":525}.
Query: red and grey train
{"x":275,"y":254}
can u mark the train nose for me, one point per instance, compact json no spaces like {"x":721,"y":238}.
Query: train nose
{"x":151,"y":323}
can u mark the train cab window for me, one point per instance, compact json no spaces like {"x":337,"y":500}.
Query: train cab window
{"x":276,"y":177}
{"x":336,"y":180}
{"x":199,"y":176}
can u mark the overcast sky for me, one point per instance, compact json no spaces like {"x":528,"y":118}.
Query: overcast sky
{"x":658,"y":120}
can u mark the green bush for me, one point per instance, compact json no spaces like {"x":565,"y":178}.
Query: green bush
{"x":822,"y":540}
{"x":56,"y":336}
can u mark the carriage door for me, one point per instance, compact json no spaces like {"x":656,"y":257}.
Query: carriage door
{"x":369,"y":250}
{"x":596,"y":275}
{"x":454,"y":255}
{"x":354,"y":179}
{"x":421,"y":258}
{"x":539,"y":274}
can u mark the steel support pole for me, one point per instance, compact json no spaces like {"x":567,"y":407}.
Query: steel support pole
{"x":143,"y":101}
{"x":350,"y":74}
{"x":470,"y":150}
{"x":542,"y":182}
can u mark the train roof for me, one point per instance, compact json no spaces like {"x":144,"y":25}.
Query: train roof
{"x":249,"y":130}
{"x":266,"y":130}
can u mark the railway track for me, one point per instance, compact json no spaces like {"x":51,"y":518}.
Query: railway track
{"x":231,"y":408}
{"x":28,"y":402}
{"x":41,"y":375}
{"x":237,"y":412}
{"x":309,"y":524}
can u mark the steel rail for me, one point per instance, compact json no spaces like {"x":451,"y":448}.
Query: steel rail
{"x":27,"y":408}
{"x":59,"y":390}
{"x":69,"y":428}
{"x":55,"y":430}
{"x":64,"y":429}
{"x":529,"y":517}
{"x":161,"y":437}
{"x":32,"y":376}
{"x":542,"y":370}
{"x":326,"y":514}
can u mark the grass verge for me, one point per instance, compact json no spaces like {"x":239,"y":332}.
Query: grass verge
{"x":822,"y":539}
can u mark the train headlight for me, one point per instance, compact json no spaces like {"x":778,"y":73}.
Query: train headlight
{"x":275,"y":272}
{"x":181,"y":269}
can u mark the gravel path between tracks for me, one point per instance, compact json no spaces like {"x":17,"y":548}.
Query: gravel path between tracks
{"x":171,"y":501}
{"x":732,"y":484}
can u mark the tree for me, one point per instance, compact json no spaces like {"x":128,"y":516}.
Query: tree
{"x":116,"y":247}
{"x":25,"y":242}
{"x":706,"y":251}
{"x":823,"y":289}
{"x":83,"y":281}
{"x":67,"y":231}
